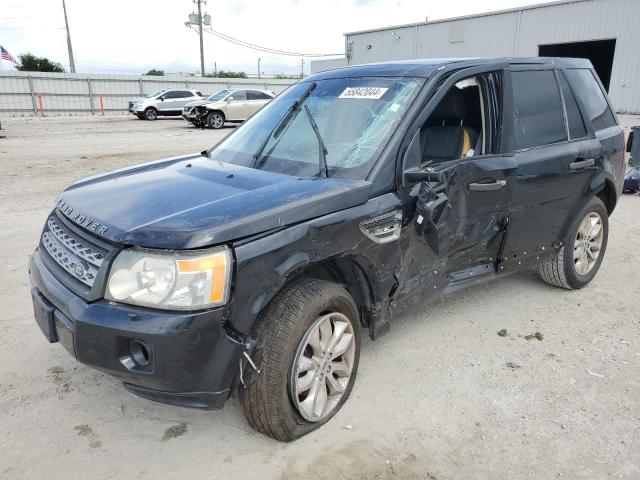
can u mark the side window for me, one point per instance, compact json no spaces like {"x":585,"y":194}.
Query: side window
{"x":574,"y":118}
{"x":255,"y":95}
{"x":458,"y":127}
{"x":538,"y":109}
{"x":199,"y":94}
{"x":586,"y":88}
{"x":170,"y":94}
{"x":239,"y":96}
{"x":183,"y":94}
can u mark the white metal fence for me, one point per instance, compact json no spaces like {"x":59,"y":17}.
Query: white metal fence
{"x":27,"y":94}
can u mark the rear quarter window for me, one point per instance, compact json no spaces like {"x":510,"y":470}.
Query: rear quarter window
{"x":577,"y":128}
{"x":587,"y":89}
{"x":538,"y":109}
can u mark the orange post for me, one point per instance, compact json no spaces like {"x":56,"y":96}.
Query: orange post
{"x":101,"y":106}
{"x":40,"y":106}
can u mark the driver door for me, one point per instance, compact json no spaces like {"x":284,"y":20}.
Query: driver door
{"x":458,"y":198}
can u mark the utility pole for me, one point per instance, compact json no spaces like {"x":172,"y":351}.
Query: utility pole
{"x":199,"y":2}
{"x":72,"y":63}
{"x":302,"y":67}
{"x":259,"y":67}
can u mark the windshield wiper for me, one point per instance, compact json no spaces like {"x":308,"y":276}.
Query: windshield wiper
{"x":283,"y":122}
{"x":322,"y":160}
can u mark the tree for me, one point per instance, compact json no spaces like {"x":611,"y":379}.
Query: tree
{"x":227,"y":74}
{"x":153,"y":71}
{"x":282,"y":76}
{"x":32,"y":63}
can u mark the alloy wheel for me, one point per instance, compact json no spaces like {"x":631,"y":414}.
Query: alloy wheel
{"x":322,"y":366}
{"x":588,"y":243}
{"x":216,"y":120}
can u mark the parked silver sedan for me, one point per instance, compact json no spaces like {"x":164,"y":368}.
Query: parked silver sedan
{"x":231,"y":105}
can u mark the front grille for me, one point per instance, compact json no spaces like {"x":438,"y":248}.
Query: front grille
{"x":76,"y":254}
{"x":130,"y":105}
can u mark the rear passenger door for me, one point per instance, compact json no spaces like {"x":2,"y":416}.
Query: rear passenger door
{"x":556,"y":158}
{"x":256,"y":100}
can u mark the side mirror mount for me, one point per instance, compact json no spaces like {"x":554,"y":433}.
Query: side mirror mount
{"x":229,"y":99}
{"x":413,"y":172}
{"x":162,"y":98}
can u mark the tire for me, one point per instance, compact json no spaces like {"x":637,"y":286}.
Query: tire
{"x":563,"y":269}
{"x":151,"y":113}
{"x":215,"y":120}
{"x":281,"y":334}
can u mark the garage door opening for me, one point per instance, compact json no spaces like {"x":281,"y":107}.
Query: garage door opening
{"x":600,"y":52}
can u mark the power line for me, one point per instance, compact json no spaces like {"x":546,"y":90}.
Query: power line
{"x":274,"y":51}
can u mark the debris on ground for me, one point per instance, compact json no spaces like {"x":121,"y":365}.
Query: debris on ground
{"x":512,"y":365}
{"x":537,"y":336}
{"x":502,"y":333}
{"x":594,"y":374}
{"x":175,"y":431}
{"x":348,"y":427}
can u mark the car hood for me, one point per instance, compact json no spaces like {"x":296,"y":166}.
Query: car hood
{"x":192,"y":202}
{"x":197,"y":103}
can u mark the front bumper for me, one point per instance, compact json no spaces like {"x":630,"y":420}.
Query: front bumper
{"x":189,"y":358}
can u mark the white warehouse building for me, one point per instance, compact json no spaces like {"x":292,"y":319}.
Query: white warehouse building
{"x":605,"y":31}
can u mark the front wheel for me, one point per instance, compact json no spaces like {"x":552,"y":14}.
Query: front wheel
{"x":150,"y":113}
{"x":215,"y":120}
{"x":307,"y":352}
{"x":581,"y":254}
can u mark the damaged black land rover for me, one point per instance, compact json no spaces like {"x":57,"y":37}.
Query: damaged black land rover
{"x":358,"y":193}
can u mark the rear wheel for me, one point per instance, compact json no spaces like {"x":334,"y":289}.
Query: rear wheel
{"x":150,"y":113}
{"x":215,"y":120}
{"x":582,"y":252}
{"x":307,"y":352}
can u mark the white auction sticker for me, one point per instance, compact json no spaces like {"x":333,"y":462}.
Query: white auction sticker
{"x":374,"y":93}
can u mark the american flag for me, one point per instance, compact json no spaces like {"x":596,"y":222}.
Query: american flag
{"x":6,"y":55}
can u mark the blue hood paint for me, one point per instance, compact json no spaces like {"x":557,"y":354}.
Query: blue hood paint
{"x":193,"y":202}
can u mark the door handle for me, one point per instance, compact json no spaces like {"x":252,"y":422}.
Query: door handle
{"x":487,"y":187}
{"x":582,"y":163}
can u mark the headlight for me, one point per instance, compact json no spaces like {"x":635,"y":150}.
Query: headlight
{"x":171,"y":280}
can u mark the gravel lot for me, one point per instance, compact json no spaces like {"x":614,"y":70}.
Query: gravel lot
{"x":434,"y":398}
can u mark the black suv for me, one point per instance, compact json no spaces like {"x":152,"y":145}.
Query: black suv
{"x":257,"y":265}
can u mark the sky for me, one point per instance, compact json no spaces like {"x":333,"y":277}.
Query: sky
{"x":133,"y":36}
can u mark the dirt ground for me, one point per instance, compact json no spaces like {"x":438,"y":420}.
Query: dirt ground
{"x":434,"y":399}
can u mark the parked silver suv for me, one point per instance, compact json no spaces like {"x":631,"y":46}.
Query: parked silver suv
{"x":163,"y":102}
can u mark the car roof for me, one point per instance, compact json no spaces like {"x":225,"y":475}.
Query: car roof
{"x":269,"y":92}
{"x":425,"y":67}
